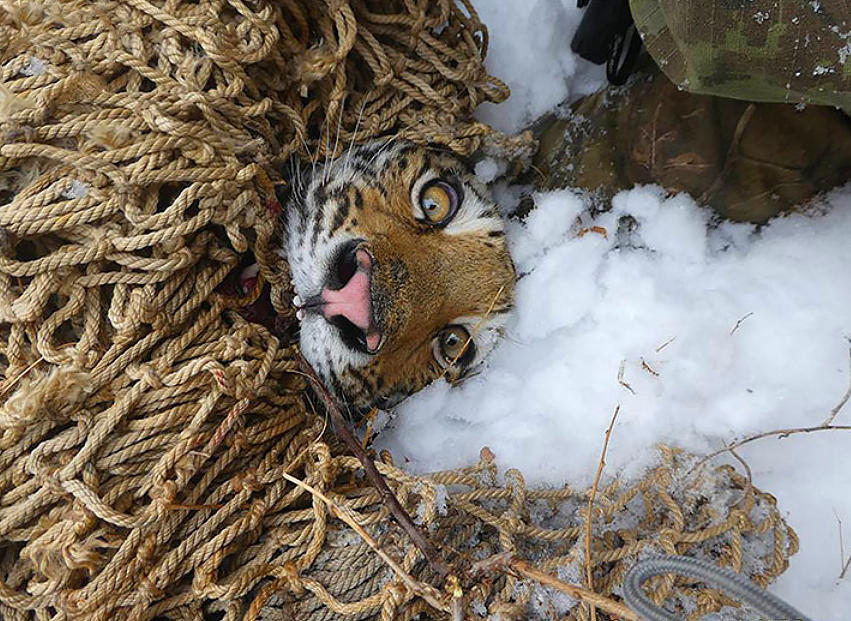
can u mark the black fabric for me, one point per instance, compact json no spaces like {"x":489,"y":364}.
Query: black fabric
{"x":606,"y":35}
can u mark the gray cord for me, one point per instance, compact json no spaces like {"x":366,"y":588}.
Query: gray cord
{"x":732,"y":584}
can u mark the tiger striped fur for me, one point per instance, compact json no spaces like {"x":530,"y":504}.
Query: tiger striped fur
{"x":401,"y":270}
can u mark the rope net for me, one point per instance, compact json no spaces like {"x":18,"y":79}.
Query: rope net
{"x":146,"y":424}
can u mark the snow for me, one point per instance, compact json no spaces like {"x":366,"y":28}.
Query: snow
{"x":701,"y":332}
{"x":529,"y":49}
{"x":35,"y":66}
{"x":488,"y":169}
{"x":663,"y":302}
{"x":77,"y":189}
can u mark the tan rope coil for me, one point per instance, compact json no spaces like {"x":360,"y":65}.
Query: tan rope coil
{"x":145,"y":424}
{"x":678,"y":507}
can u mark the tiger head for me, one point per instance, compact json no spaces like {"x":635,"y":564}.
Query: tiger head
{"x":400,"y":268}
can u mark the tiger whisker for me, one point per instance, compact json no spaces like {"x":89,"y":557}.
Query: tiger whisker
{"x":300,"y":133}
{"x":354,"y":137}
{"x":383,"y":149}
{"x":307,"y":150}
{"x":475,"y":331}
{"x":298,"y":177}
{"x":322,"y":133}
{"x":390,"y":141}
{"x":326,"y":171}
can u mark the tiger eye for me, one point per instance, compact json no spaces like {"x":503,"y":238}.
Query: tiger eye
{"x":456,"y":347}
{"x":439,"y":202}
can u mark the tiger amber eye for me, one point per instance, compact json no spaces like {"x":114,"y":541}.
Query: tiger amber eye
{"x":453,"y":343}
{"x":436,"y":203}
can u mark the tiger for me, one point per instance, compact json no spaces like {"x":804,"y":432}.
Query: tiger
{"x":401,"y":270}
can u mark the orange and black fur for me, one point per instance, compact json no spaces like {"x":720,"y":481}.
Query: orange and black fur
{"x":400,"y":267}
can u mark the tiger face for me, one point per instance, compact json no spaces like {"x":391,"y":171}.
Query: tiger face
{"x":400,"y":268}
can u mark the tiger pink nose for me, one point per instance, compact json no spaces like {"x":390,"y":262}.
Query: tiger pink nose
{"x":354,"y":301}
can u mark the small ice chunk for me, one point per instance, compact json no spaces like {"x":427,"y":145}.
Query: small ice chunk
{"x":77,"y":189}
{"x":34,"y":66}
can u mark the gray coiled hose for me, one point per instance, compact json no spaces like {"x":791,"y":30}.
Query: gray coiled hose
{"x":732,"y":584}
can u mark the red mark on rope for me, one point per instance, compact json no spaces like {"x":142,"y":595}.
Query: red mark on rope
{"x":225,"y":426}
{"x":220,"y":377}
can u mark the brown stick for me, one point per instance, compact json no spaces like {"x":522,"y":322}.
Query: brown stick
{"x":782,"y":433}
{"x":427,"y":592}
{"x":389,"y":499}
{"x":739,"y":323}
{"x":621,"y":380}
{"x":843,"y":564}
{"x":589,"y":522}
{"x":605,"y":604}
{"x":506,"y":562}
{"x":9,"y":384}
{"x":785,"y":433}
{"x":844,"y":400}
{"x":456,"y":601}
{"x":747,"y":468}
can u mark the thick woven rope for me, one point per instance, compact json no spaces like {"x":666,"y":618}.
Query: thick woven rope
{"x":146,"y":424}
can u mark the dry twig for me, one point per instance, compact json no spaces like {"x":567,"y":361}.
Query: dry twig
{"x":456,"y":601}
{"x":829,"y":420}
{"x":589,"y":522}
{"x":621,"y":380}
{"x":387,"y":496}
{"x":747,"y":468}
{"x":605,"y":604}
{"x":599,"y":230}
{"x":507,"y":563}
{"x":780,"y":433}
{"x":740,"y":322}
{"x":12,"y":382}
{"x":648,"y":368}
{"x":827,"y":425}
{"x":843,"y":564}
{"x":427,"y":592}
{"x":665,"y":344}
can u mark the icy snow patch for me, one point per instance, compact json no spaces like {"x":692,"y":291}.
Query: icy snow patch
{"x":720,"y":331}
{"x":77,"y":189}
{"x":529,"y":49}
{"x":35,"y":66}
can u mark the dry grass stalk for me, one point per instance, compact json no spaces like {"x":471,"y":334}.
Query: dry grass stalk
{"x":11,"y":383}
{"x":605,"y":604}
{"x":665,"y":344}
{"x":508,"y":563}
{"x":590,"y":520}
{"x":621,"y":380}
{"x":387,"y":496}
{"x":827,"y":425}
{"x":843,"y":563}
{"x":427,"y":592}
{"x":829,"y":420}
{"x":740,"y":322}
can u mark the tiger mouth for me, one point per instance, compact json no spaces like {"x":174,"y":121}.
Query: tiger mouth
{"x":345,"y":300}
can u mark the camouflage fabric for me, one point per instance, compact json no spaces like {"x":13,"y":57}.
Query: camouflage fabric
{"x":796,"y":51}
{"x":749,"y":161}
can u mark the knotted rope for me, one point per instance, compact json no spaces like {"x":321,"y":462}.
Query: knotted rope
{"x":145,"y":424}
